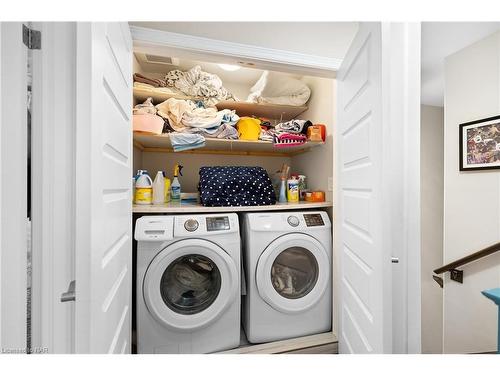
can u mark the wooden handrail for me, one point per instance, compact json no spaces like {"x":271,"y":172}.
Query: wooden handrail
{"x":468,"y":259}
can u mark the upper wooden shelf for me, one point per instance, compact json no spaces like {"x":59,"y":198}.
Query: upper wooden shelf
{"x":161,"y":143}
{"x":270,"y":111}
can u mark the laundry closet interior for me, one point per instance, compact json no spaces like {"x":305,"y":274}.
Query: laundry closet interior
{"x":313,"y":159}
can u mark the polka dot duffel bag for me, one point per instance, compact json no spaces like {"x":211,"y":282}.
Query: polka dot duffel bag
{"x":235,"y":186}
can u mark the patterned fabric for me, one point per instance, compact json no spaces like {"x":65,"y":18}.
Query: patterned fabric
{"x":235,"y":186}
{"x":196,"y":82}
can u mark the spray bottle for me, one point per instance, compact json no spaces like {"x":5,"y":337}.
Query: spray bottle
{"x":176,"y":186}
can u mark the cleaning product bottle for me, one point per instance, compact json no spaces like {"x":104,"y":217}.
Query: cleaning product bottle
{"x":159,"y":189}
{"x":175,"y":189}
{"x":143,"y":189}
{"x":167,"y":188}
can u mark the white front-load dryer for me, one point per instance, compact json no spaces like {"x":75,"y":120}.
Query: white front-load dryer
{"x":288,"y":269}
{"x":188,"y":283}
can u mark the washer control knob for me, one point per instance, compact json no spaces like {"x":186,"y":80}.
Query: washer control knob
{"x":293,"y":221}
{"x":191,"y":225}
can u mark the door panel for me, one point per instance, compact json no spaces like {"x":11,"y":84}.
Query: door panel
{"x":359,"y":224}
{"x":13,"y":186}
{"x":104,"y":171}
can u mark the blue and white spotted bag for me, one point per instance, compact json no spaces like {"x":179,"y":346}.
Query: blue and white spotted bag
{"x":235,"y":186}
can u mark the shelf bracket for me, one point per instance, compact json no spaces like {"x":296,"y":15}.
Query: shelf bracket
{"x":438,"y":279}
{"x":457,"y":275}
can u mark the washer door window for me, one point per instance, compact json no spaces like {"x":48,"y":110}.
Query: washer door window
{"x":189,"y":284}
{"x":293,"y":272}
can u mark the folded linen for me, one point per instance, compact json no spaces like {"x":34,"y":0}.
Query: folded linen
{"x":294,"y":126}
{"x":186,"y":141}
{"x":145,"y":108}
{"x":155,"y":82}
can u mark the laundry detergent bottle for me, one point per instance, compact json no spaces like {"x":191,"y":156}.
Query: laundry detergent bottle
{"x":159,"y":189}
{"x":143,"y":189}
{"x":175,"y":188}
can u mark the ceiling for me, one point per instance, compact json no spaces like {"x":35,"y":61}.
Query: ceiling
{"x":326,"y":39}
{"x":439,"y":40}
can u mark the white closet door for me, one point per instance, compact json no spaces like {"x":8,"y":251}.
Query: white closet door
{"x":364,"y":260}
{"x":13,"y":186}
{"x":103,"y":188}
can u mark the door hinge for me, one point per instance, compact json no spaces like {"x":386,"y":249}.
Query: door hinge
{"x":32,"y":38}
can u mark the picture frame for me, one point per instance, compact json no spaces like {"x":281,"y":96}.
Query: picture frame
{"x":479,"y":144}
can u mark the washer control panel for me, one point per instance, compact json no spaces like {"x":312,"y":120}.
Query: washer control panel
{"x":215,"y":223}
{"x":293,"y":221}
{"x":191,"y":225}
{"x":313,"y":220}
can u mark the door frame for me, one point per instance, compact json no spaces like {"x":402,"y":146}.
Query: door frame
{"x":407,"y":178}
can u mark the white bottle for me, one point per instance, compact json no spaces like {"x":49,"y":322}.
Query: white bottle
{"x":159,"y":189}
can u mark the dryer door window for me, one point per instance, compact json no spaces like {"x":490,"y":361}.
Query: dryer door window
{"x":294,"y":272}
{"x":190,"y":284}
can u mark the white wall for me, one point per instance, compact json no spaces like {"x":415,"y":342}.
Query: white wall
{"x":328,"y":39}
{"x":431,"y":190}
{"x":472,"y":200}
{"x":155,"y":161}
{"x":317,"y":164}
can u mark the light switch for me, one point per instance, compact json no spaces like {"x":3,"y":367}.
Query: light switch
{"x":330,"y":183}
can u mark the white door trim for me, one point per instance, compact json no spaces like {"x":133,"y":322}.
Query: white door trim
{"x":402,"y":77}
{"x":145,"y":38}
{"x":13,"y":188}
{"x":53,"y":214}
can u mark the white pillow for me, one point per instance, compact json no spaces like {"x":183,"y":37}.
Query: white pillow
{"x":277,"y":88}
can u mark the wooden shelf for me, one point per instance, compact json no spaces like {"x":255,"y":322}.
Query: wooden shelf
{"x":270,"y":111}
{"x":286,"y":346}
{"x":161,"y":143}
{"x":191,"y":207}
{"x":141,"y":94}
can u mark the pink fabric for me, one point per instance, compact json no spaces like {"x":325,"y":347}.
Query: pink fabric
{"x":146,"y":123}
{"x":289,"y":140}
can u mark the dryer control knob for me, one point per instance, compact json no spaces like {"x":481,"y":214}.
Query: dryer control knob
{"x":293,"y":221}
{"x":191,"y":225}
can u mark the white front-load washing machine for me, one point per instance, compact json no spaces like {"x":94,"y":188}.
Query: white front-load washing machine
{"x":288,"y":269}
{"x":188,"y":283}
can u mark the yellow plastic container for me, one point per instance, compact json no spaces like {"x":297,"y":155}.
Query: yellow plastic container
{"x":292,"y":191}
{"x":167,"y":190}
{"x":143,"y":190}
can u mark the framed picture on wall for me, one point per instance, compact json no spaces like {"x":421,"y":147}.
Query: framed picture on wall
{"x":480,"y":144}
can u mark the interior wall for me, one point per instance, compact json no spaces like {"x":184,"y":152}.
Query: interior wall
{"x":317,"y":164}
{"x":472,"y":200}
{"x":431,"y":195}
{"x":156,"y":161}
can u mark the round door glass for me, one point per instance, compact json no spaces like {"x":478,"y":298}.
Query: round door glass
{"x":190,"y":284}
{"x":294,"y":272}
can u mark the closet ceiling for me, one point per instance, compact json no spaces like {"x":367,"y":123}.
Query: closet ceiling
{"x":244,"y":76}
{"x":439,"y":40}
{"x":326,"y":39}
